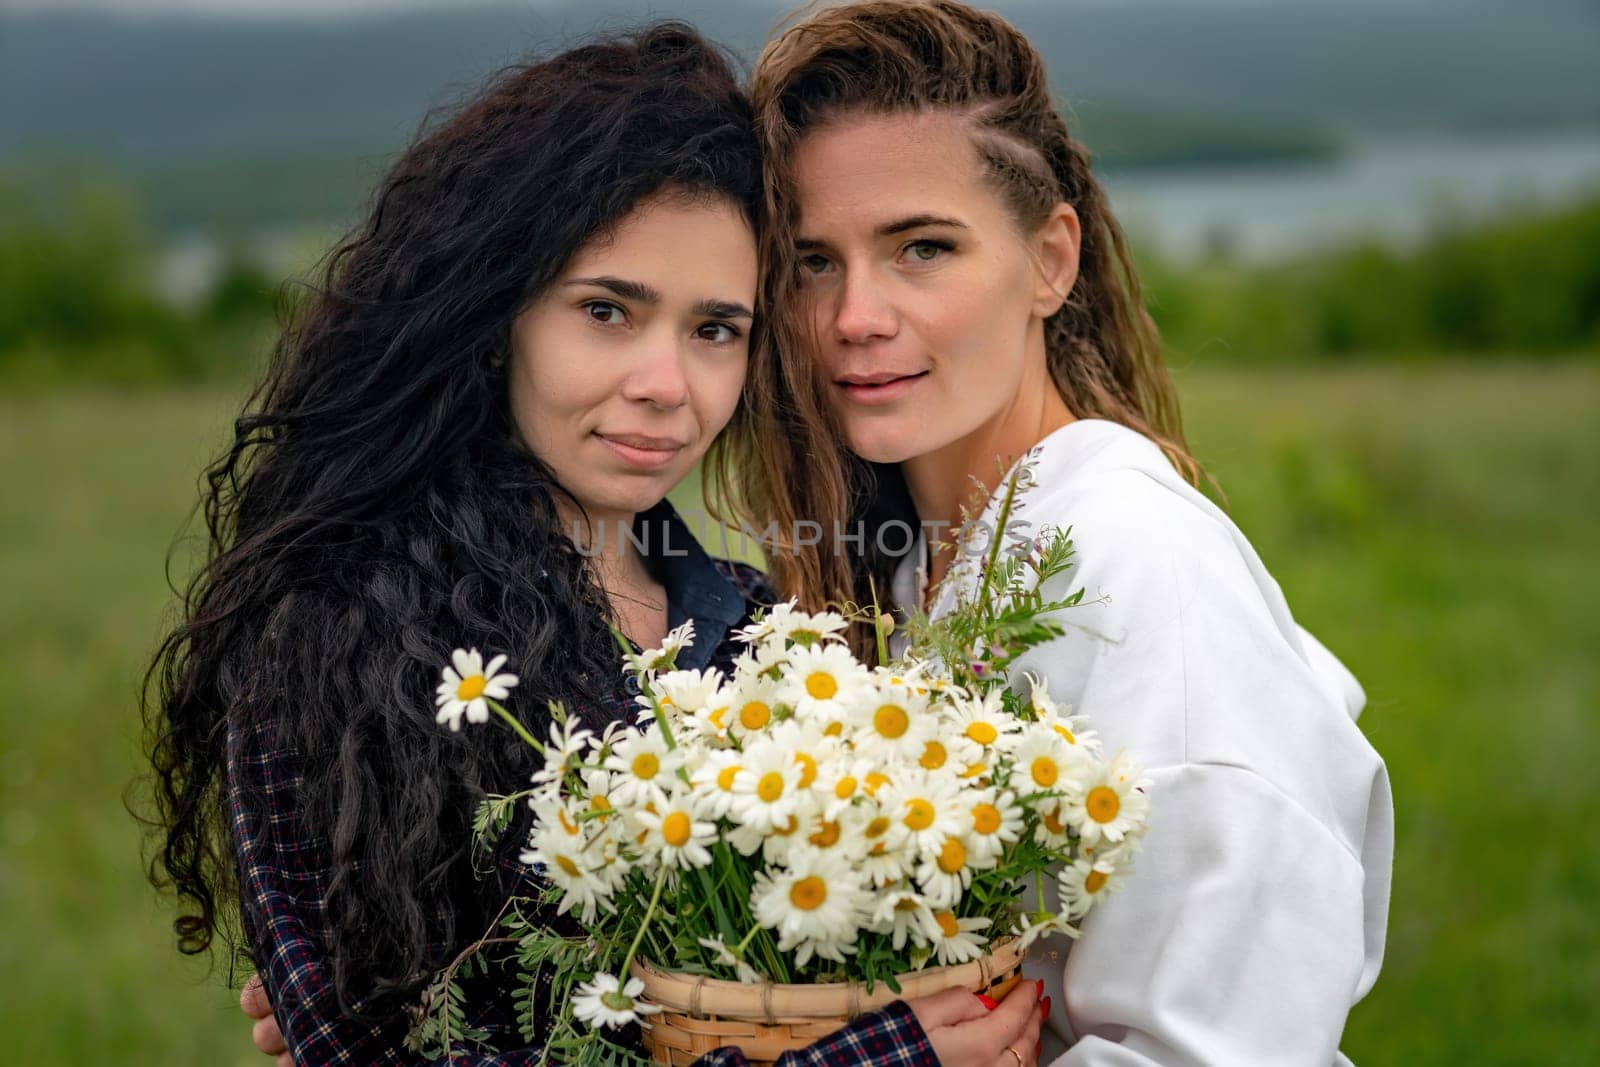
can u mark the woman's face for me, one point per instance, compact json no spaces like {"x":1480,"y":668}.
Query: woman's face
{"x":925,"y":299}
{"x":632,"y":360}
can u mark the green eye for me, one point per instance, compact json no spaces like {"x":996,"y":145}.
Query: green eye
{"x":927,"y":251}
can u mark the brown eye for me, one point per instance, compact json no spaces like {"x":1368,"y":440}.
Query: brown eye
{"x":604,"y":312}
{"x":717,"y":333}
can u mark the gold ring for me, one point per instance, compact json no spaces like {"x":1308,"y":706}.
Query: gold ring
{"x":1015,"y":1053}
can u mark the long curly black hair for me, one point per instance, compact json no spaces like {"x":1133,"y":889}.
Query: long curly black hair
{"x":376,"y":507}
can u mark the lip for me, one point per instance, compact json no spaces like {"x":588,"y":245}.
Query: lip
{"x":884,"y":387}
{"x":642,"y":451}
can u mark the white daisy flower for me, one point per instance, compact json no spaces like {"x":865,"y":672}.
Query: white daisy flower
{"x":1070,"y":728}
{"x":882,"y":862}
{"x":946,"y":874}
{"x":713,"y":781}
{"x":840,"y":781}
{"x":1031,"y":928}
{"x":984,"y":726}
{"x":1110,"y":803}
{"x":772,"y":622}
{"x":568,"y":743}
{"x":566,"y":865}
{"x":761,"y":661}
{"x":958,"y":940}
{"x":723,"y":955}
{"x":752,"y":703}
{"x":658,"y":659}
{"x":674,"y":835}
{"x":905,"y":916}
{"x":644,"y":766}
{"x":926,"y":809}
{"x":1086,"y":882}
{"x":1046,"y":764}
{"x":682,"y":693}
{"x":822,"y":682}
{"x":814,"y":903}
{"x":766,"y":789}
{"x":891,"y":722}
{"x":997,"y":821}
{"x":605,"y":1002}
{"x":468,"y":686}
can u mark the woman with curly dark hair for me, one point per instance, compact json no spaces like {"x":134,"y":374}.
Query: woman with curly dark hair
{"x":542,"y":327}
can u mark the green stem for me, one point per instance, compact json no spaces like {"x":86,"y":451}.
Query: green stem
{"x":521,"y":730}
{"x":649,"y":913}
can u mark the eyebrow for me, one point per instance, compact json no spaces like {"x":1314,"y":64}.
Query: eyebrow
{"x":644,"y":294}
{"x":890,"y":229}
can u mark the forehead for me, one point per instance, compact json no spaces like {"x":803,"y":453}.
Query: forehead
{"x":679,"y":241}
{"x":871,"y":164}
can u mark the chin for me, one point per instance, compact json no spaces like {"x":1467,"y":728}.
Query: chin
{"x":876,"y":446}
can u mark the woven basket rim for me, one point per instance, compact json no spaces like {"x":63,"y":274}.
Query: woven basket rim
{"x":700,"y":995}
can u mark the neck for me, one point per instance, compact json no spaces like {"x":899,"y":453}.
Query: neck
{"x":944,"y":480}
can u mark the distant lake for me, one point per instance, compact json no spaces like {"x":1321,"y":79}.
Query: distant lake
{"x":1392,"y":188}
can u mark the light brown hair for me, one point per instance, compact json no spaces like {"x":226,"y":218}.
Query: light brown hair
{"x":1103,"y":351}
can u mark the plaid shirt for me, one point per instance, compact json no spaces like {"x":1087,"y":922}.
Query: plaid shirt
{"x":284,"y":869}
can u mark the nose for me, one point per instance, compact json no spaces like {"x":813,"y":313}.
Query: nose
{"x":660,"y":377}
{"x":864,"y":313}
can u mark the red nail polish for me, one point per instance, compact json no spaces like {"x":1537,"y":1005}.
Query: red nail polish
{"x":1040,"y":985}
{"x":987,"y":1001}
{"x":1046,"y":1008}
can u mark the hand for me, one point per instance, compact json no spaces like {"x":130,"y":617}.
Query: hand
{"x":266,"y":1035}
{"x":964,"y":1032}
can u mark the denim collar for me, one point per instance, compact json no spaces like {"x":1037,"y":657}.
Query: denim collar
{"x":697,"y":591}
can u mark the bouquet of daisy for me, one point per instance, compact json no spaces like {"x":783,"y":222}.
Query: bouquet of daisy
{"x":805,"y":817}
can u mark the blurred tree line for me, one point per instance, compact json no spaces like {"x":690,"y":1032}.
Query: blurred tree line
{"x":80,"y":299}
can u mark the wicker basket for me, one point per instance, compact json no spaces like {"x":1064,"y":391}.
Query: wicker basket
{"x":766,"y":1020}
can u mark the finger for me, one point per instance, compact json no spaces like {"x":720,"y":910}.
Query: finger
{"x":1007,"y":1022}
{"x":1027,"y":1043}
{"x":283,"y":1060}
{"x":267,"y":1037}
{"x":253,"y":998}
{"x":947,"y":1008}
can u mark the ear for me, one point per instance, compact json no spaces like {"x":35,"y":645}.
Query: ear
{"x":1055,"y":257}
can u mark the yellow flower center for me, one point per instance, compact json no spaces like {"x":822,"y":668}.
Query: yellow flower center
{"x":1044,"y":771}
{"x":808,"y":893}
{"x":754,"y":715}
{"x":906,"y":904}
{"x":726,"y":776}
{"x":808,"y":769}
{"x":952,"y":857}
{"x":845,"y":788}
{"x":982,"y":732}
{"x":826,"y":837}
{"x":770,"y":788}
{"x":833,"y":729}
{"x":790,"y":825}
{"x":472,"y":687}
{"x":715,"y":718}
{"x":821,"y":685}
{"x":675,"y":829}
{"x":1102,"y":803}
{"x":948,"y":924}
{"x":877,"y":827}
{"x":1095,"y":882}
{"x":1053,"y":823}
{"x":1066,"y":733}
{"x":919,"y":814}
{"x":985,"y":818}
{"x":646,"y":765}
{"x":933,"y":756}
{"x":599,"y":803}
{"x":974,"y":770}
{"x":875,"y":781}
{"x":891,"y":721}
{"x":567,"y":824}
{"x":567,"y":865}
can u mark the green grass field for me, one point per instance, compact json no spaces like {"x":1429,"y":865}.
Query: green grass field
{"x":1437,"y":527}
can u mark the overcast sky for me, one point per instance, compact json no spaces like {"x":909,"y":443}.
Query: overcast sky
{"x":348,"y":7}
